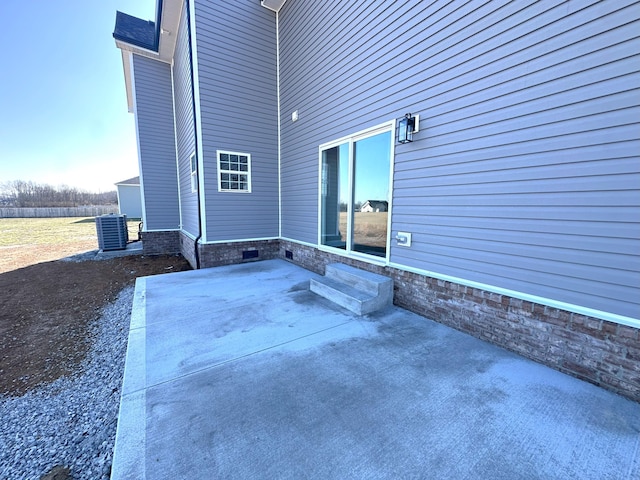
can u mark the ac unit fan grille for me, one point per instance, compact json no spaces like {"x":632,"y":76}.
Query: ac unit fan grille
{"x":112,"y":232}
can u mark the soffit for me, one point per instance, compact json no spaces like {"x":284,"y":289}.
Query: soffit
{"x":274,"y":5}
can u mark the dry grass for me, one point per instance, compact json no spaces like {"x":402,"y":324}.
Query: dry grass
{"x":27,"y":241}
{"x":370,"y":228}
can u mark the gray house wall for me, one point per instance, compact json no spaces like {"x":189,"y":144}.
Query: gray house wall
{"x":153,"y":109}
{"x":524,"y":175}
{"x":237,"y":75}
{"x":184,"y":127}
{"x":129,"y":200}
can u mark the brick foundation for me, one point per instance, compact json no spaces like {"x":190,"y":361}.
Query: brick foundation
{"x":237,"y":252}
{"x":160,"y":243}
{"x":603,"y":353}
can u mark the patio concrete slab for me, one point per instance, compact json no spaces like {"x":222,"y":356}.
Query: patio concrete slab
{"x":241,"y":372}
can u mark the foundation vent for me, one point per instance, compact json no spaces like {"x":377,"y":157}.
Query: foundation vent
{"x":249,"y":254}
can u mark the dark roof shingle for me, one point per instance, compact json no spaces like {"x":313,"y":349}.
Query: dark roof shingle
{"x":134,"y":30}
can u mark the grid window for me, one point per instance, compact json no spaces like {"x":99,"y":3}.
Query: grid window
{"x":234,"y":172}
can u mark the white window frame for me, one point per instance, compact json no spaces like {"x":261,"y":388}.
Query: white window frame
{"x":350,"y":140}
{"x":227,"y":171}
{"x":193,"y":165}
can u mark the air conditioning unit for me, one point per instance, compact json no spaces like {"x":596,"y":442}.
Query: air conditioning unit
{"x":112,"y":232}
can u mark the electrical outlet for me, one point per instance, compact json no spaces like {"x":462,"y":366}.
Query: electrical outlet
{"x":403,"y":239}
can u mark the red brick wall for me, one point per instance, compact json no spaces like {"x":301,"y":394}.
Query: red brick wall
{"x":229,"y":253}
{"x":159,"y":243}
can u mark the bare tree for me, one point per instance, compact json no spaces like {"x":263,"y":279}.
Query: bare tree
{"x":21,"y":193}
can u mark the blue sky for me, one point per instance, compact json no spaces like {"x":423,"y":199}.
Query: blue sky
{"x":63,"y":108}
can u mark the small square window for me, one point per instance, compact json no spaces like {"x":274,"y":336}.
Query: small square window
{"x":234,"y":172}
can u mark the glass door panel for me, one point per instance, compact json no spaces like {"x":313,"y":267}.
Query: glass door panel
{"x":355,"y":193}
{"x":335,"y":196}
{"x":371,"y":167}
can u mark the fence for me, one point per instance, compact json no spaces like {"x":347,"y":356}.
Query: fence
{"x":49,"y":212}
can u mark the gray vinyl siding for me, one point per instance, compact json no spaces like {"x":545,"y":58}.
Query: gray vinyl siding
{"x":154,"y":118}
{"x":237,"y":73}
{"x":525,"y":174}
{"x":129,"y":202}
{"x":185,"y":134}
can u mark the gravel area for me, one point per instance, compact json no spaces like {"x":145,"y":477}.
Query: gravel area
{"x":71,"y":423}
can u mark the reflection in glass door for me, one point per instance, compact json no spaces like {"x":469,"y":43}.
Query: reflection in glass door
{"x":371,"y":164}
{"x":354,"y":196}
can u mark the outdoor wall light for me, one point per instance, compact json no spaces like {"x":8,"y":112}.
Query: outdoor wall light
{"x":406,"y":128}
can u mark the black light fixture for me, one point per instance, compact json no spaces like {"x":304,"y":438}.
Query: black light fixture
{"x":406,"y":127}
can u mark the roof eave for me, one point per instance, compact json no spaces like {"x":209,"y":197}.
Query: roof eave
{"x":274,"y":5}
{"x":169,"y":12}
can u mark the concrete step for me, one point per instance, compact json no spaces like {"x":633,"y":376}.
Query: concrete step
{"x":357,"y":301}
{"x":369,"y":282}
{"x":357,"y":290}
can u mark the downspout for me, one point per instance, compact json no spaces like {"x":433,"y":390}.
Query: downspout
{"x":195,"y":136}
{"x":279,"y":125}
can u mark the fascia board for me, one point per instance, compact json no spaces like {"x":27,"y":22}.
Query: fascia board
{"x":128,"y":81}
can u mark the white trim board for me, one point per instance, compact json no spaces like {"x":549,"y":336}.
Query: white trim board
{"x":238,"y":240}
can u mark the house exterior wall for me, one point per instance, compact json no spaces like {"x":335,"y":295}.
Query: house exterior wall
{"x":153,"y":109}
{"x":129,"y":201}
{"x":184,"y":127}
{"x":524,"y":175}
{"x":237,"y":81}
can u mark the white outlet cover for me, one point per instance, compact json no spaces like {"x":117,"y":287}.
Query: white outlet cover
{"x":406,"y":235}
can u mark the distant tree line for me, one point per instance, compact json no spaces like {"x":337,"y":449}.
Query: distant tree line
{"x":20,"y":193}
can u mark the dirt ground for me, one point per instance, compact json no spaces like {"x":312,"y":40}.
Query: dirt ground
{"x":45,"y":310}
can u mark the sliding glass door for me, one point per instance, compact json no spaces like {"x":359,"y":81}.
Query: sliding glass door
{"x":355,"y":193}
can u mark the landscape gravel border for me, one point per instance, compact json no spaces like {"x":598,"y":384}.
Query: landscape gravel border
{"x":71,"y":423}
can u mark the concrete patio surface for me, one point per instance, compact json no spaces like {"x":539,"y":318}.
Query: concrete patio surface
{"x":241,"y":372}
